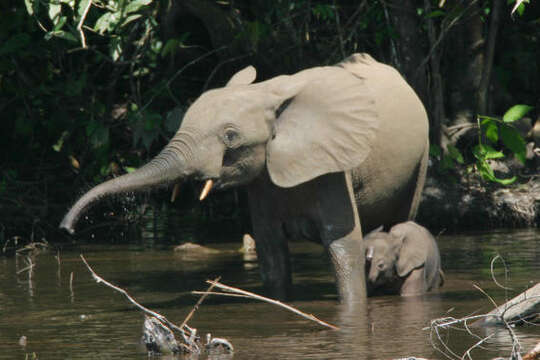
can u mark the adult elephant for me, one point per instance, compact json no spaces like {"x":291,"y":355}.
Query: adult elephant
{"x":325,"y":153}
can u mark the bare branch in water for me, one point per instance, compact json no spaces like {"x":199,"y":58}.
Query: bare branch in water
{"x":235,"y":292}
{"x":157,"y":333}
{"x":158,"y":316}
{"x":201,"y":299}
{"x":516,"y":310}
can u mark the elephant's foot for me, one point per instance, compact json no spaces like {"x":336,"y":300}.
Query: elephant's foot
{"x":348,"y":259}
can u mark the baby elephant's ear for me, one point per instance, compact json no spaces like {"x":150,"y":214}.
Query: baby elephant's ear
{"x":244,"y":77}
{"x":329,"y":126}
{"x":411,"y":255}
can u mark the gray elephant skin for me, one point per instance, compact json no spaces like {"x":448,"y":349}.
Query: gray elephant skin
{"x":325,"y":154}
{"x":403,"y":261}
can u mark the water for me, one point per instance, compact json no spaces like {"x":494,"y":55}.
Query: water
{"x":88,"y":320}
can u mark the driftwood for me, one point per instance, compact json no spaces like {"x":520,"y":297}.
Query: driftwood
{"x":521,"y":308}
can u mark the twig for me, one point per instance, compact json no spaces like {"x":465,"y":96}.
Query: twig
{"x":485,"y":293}
{"x":160,"y":317}
{"x":221,"y":294}
{"x":216,"y":68}
{"x":493,"y":272}
{"x":468,"y":352}
{"x":29,"y":267}
{"x":271,"y":301}
{"x":201,"y":299}
{"x":181,"y":70}
{"x":71,"y":287}
{"x":81,"y":23}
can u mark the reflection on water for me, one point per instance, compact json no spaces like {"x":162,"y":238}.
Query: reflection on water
{"x":64,"y":314}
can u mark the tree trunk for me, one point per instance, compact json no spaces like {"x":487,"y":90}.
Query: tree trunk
{"x":410,"y":51}
{"x":483,"y":89}
{"x":466,"y":60}
{"x":436,"y":105}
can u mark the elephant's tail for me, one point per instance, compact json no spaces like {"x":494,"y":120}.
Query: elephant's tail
{"x":420,"y":180}
{"x":441,"y":278}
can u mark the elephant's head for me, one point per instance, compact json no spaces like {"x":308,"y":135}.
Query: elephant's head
{"x":229,"y":135}
{"x":390,"y":254}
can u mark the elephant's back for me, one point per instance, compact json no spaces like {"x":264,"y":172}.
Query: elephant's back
{"x":385,"y":183}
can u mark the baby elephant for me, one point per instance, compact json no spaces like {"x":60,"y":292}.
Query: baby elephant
{"x":404,"y":261}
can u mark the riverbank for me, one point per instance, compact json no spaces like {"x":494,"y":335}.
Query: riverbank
{"x":471,"y":204}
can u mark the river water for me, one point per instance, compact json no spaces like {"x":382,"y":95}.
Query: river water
{"x":65,"y":316}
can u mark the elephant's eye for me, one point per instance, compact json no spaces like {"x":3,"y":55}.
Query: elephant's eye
{"x":231,"y":138}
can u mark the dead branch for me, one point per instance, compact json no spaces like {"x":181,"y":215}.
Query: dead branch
{"x":157,"y":332}
{"x":235,"y":292}
{"x":199,"y":302}
{"x":520,"y":308}
{"x":158,"y":316}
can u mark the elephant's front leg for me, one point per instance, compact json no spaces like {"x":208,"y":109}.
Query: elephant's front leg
{"x":342,"y":235}
{"x":347,"y":257}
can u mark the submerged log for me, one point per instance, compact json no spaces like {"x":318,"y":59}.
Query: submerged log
{"x":524,"y":307}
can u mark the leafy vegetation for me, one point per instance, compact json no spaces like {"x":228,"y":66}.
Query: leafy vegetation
{"x":90,"y":89}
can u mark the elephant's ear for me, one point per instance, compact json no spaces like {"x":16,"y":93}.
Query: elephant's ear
{"x":244,"y":77}
{"x":411,"y":255}
{"x":328,"y":126}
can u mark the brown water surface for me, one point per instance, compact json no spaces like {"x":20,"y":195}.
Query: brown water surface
{"x":90,"y":321}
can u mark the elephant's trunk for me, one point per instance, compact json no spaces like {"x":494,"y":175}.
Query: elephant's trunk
{"x":172,"y":164}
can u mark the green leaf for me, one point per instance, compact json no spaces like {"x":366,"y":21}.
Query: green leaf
{"x":115,"y":48}
{"x":491,"y":130}
{"x":62,"y":35}
{"x":516,"y":112}
{"x":129,"y":169}
{"x":99,"y":134}
{"x":130,"y":18}
{"x":31,"y":6}
{"x":152,"y":121}
{"x":455,"y":154}
{"x":485,"y":152}
{"x":436,"y":13}
{"x":513,"y":141}
{"x":103,"y":24}
{"x":447,"y":163}
{"x":61,"y":21}
{"x":174,"y":118}
{"x":136,"y":5}
{"x":54,"y":11}
{"x":508,"y":181}
{"x":58,"y":146}
{"x":81,"y":8}
{"x":434,"y":150}
{"x":171,"y":46}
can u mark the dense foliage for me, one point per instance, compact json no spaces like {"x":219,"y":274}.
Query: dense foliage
{"x":90,"y":89}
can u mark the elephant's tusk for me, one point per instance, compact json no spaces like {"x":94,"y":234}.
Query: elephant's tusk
{"x":206,"y":189}
{"x":369,"y":253}
{"x":175,"y":191}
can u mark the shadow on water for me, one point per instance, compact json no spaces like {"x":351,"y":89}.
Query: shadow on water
{"x":86,"y":320}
